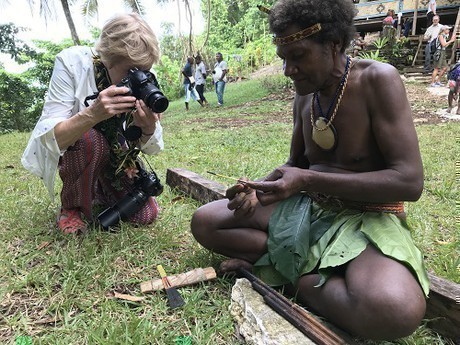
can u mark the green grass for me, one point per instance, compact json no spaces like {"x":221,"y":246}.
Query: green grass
{"x":58,"y":289}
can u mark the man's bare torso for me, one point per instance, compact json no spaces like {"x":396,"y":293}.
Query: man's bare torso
{"x":356,"y":150}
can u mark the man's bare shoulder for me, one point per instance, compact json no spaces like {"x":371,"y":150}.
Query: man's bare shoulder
{"x":373,"y":77}
{"x":374,"y":69}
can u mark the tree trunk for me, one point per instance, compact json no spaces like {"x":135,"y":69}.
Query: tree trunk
{"x":68,"y":16}
{"x":187,"y":8}
{"x":208,"y":25}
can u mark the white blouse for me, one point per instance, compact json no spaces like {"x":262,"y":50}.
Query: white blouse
{"x":72,"y":81}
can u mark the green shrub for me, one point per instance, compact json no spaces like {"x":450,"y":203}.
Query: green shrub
{"x":276,"y":83}
{"x":20,"y":103}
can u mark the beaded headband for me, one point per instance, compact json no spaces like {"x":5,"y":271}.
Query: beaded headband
{"x":281,"y":41}
{"x":300,"y":35}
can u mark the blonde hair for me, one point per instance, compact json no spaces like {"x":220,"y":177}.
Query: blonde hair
{"x":128,"y":37}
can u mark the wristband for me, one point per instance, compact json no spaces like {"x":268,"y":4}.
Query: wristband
{"x":148,"y":134}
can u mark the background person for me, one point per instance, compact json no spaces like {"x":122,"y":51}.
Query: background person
{"x":200,"y":78}
{"x":85,"y":143}
{"x":357,"y":44}
{"x":454,"y":87}
{"x":219,"y":75}
{"x":407,"y":26}
{"x":430,"y":12}
{"x":430,"y":35}
{"x":189,"y":83}
{"x":439,"y":57}
{"x":326,"y":224}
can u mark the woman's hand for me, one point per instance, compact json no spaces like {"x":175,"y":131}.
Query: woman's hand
{"x":242,"y":199}
{"x":279,"y":185}
{"x":145,"y":118}
{"x":111,"y":101}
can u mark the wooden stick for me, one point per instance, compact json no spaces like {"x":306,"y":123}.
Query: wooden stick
{"x":188,"y":278}
{"x":227,"y":177}
{"x":293,"y":313}
{"x":297,"y":316}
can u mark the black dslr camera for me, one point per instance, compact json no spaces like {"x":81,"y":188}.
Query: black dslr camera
{"x":147,"y":184}
{"x":143,"y":85}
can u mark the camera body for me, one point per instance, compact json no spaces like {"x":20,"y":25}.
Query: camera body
{"x":147,"y":184}
{"x":143,"y":85}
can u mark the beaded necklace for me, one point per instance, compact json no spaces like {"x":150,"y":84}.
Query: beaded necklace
{"x":123,"y":152}
{"x":323,"y":132}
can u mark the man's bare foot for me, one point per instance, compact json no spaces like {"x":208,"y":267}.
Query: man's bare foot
{"x":449,"y":109}
{"x":232,"y":265}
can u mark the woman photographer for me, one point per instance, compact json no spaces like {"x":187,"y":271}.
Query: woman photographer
{"x":96,"y":162}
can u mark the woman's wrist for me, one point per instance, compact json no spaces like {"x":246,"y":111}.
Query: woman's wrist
{"x":148,"y":131}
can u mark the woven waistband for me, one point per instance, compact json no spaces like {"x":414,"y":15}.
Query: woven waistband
{"x":331,"y":201}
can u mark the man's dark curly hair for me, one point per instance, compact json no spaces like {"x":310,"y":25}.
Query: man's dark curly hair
{"x":335,"y":16}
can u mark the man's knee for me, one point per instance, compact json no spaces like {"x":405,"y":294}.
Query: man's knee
{"x":391,"y":313}
{"x":198,"y":225}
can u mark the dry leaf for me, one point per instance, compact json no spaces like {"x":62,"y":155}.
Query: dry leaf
{"x":43,"y":245}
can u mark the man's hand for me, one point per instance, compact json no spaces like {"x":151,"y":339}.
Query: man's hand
{"x":242,"y":199}
{"x":279,"y":185}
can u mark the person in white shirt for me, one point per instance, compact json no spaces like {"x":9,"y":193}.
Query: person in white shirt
{"x":200,"y":78}
{"x":430,"y":35}
{"x":87,"y":141}
{"x":219,"y":76}
{"x":431,"y":12}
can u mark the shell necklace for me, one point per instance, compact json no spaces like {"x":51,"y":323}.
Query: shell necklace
{"x":323,"y":132}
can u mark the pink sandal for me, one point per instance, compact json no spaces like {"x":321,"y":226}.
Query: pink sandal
{"x":70,"y":222}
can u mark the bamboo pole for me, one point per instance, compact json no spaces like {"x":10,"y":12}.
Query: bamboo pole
{"x":455,"y":32}
{"x":420,"y":41}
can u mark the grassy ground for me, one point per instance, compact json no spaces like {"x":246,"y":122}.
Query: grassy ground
{"x":57,"y":289}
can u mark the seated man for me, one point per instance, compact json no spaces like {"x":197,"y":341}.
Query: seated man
{"x":329,"y":224}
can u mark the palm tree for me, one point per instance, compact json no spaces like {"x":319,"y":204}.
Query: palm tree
{"x":70,"y":23}
{"x":89,"y":8}
{"x":189,"y":12}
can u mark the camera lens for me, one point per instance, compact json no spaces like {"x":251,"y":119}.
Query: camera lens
{"x":157,"y":102}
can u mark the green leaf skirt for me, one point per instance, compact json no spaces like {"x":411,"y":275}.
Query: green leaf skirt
{"x":307,"y":238}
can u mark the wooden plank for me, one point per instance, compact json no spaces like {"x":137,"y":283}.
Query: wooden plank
{"x":443,"y":304}
{"x":194,"y":185}
{"x":443,"y":307}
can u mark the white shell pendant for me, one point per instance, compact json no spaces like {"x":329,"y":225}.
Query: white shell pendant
{"x":325,"y":138}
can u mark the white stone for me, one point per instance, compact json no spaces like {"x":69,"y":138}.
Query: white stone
{"x":258,"y":323}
